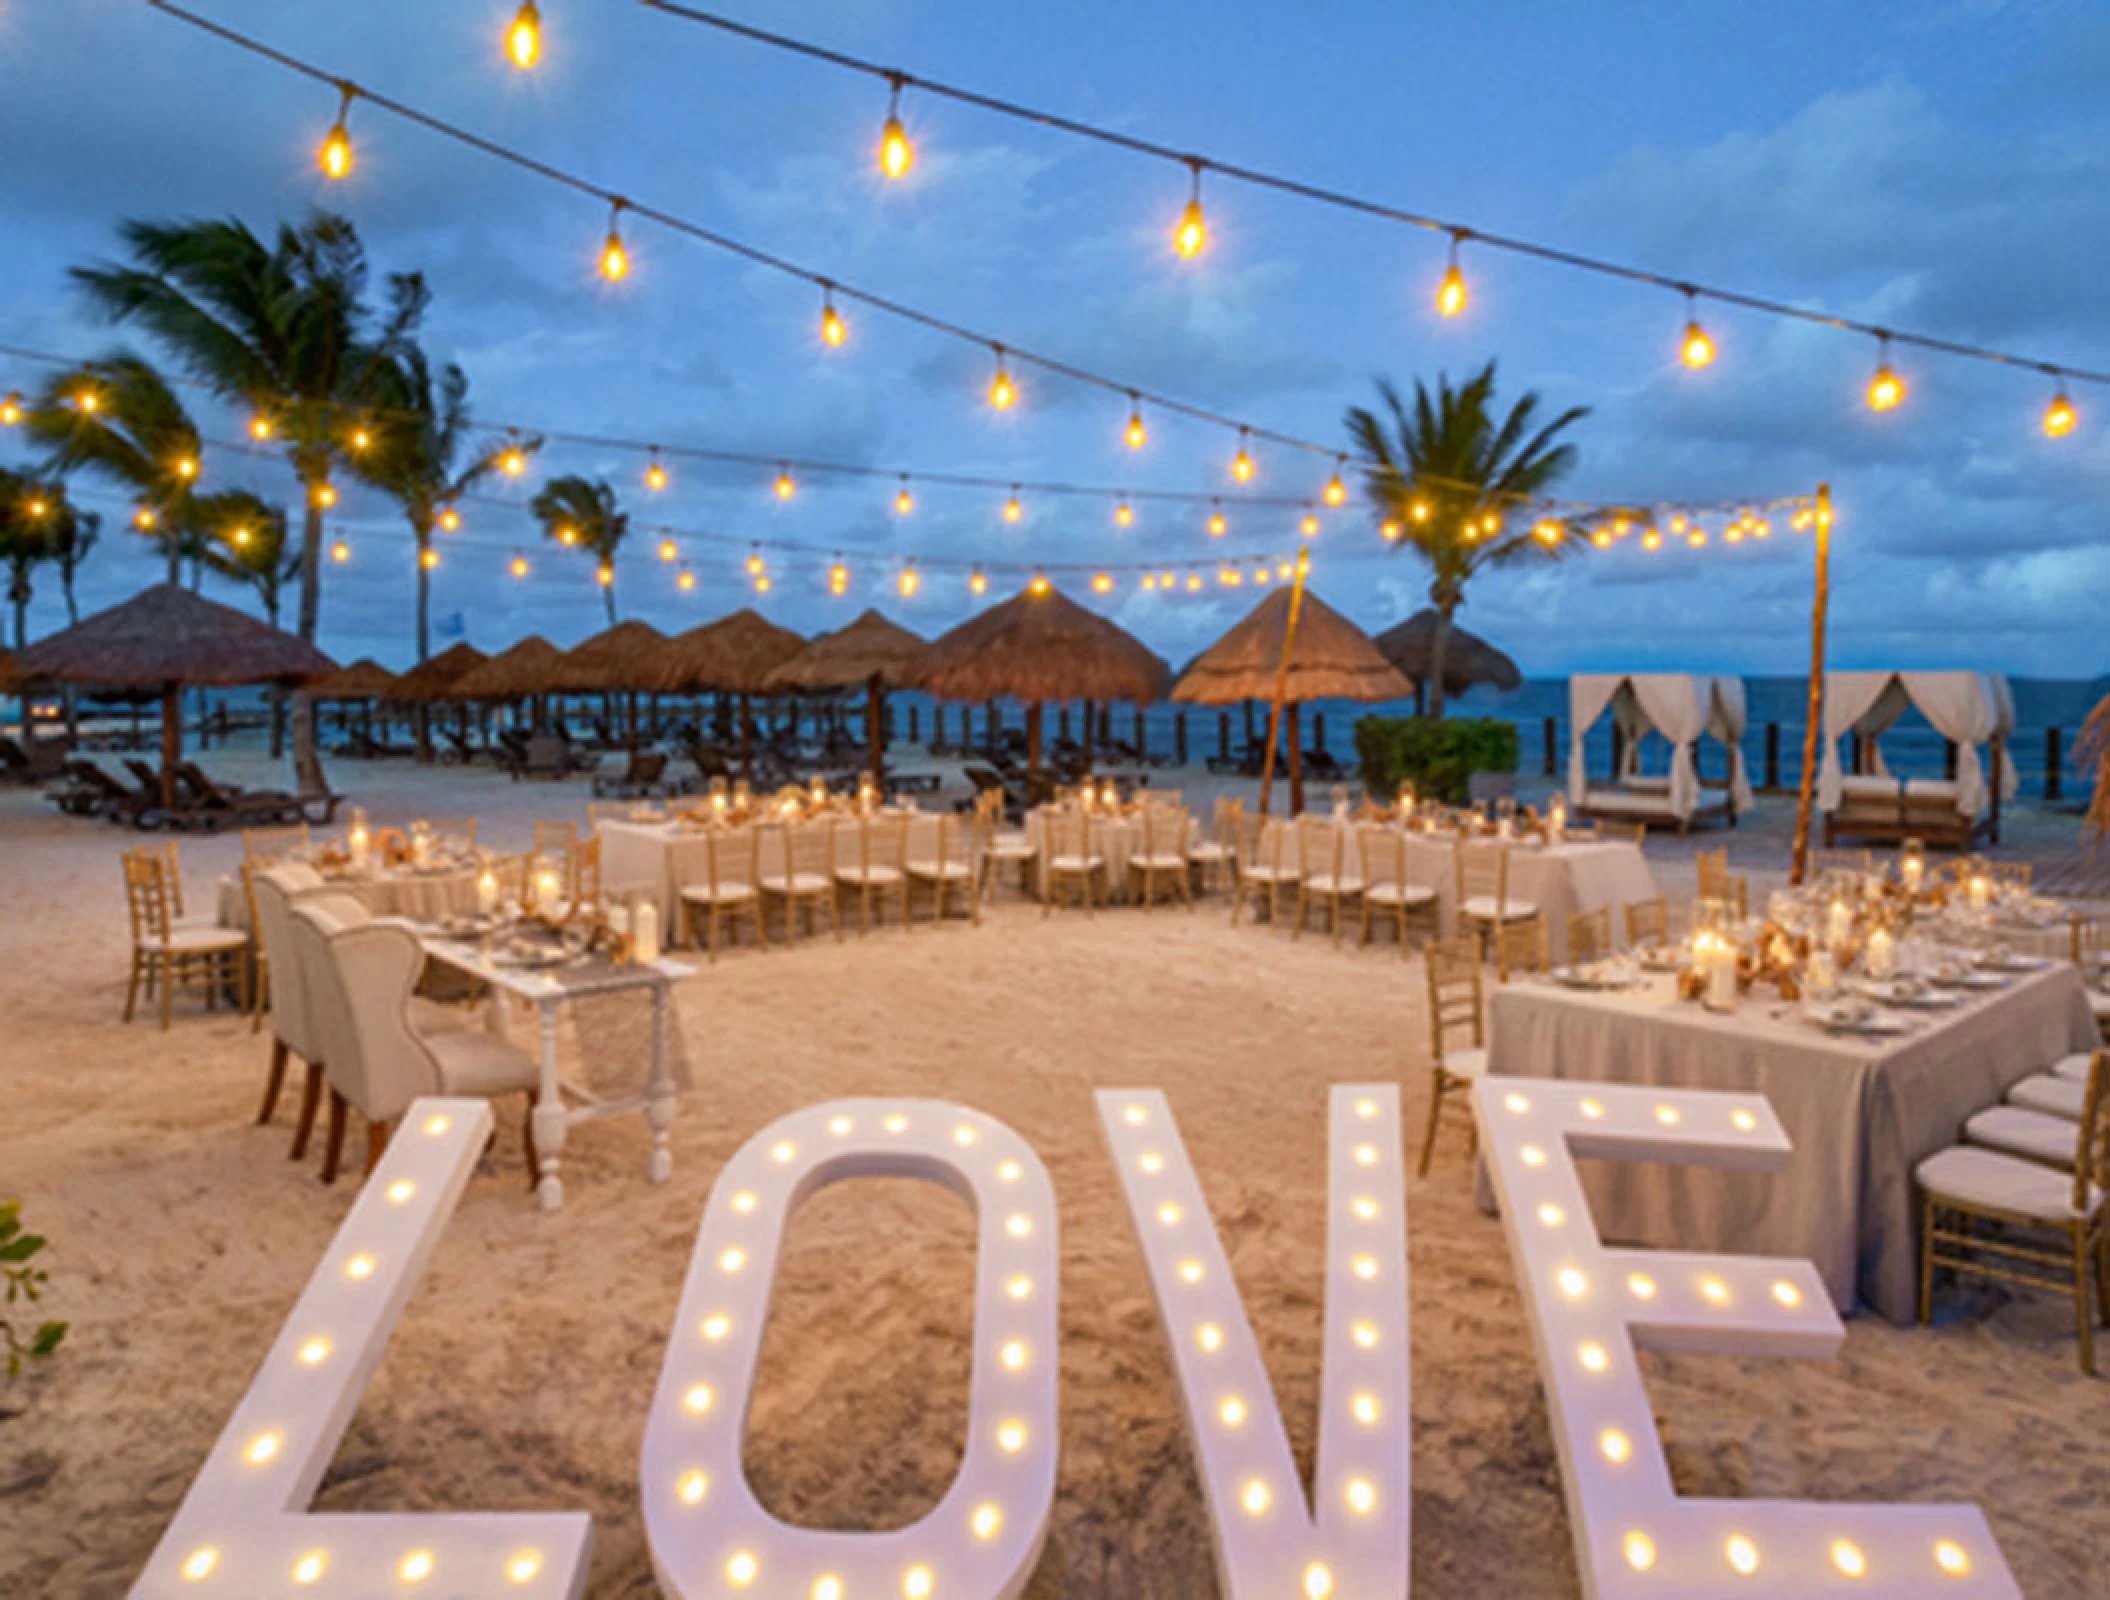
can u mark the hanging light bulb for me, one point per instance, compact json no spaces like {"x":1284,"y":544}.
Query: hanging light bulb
{"x":669,"y":551}
{"x":261,"y":427}
{"x":904,"y":502}
{"x":1191,"y":237}
{"x":1886,"y":390}
{"x":762,"y":583}
{"x":144,"y":519}
{"x":1012,"y":509}
{"x":833,"y":329}
{"x":1696,"y":350}
{"x":786,"y":485}
{"x":615,"y":260}
{"x":896,"y":154}
{"x":450,"y":520}
{"x":1219,"y":525}
{"x":838,"y":577}
{"x":1734,"y":533}
{"x":240,"y":538}
{"x":520,"y":566}
{"x":524,"y":37}
{"x":2060,"y":417}
{"x":655,"y":474}
{"x":1102,"y":583}
{"x":604,"y":575}
{"x":1242,"y":463}
{"x":428,"y":558}
{"x":1039,"y":585}
{"x":755,"y":563}
{"x":324,"y":495}
{"x":87,"y":402}
{"x":1390,"y":531}
{"x":1761,"y":529}
{"x":977,"y":583}
{"x":340,"y":552}
{"x":36,"y":505}
{"x":361,"y":441}
{"x":1419,"y":511}
{"x":685,"y":580}
{"x":1547,"y":532}
{"x":1451,"y":294}
{"x":1697,"y":538}
{"x":1136,"y":435}
{"x":1652,"y":540}
{"x":1124,"y":514}
{"x":334,"y":155}
{"x":1194,"y":582}
{"x":567,"y":536}
{"x":909,"y":582}
{"x":1261,"y":575}
{"x":1336,"y":489}
{"x":1309,"y":527}
{"x":1003,"y":393}
{"x":11,"y":409}
{"x":1150,"y":581}
{"x":514,"y":463}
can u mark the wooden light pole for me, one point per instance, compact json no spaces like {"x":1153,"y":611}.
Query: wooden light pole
{"x":1819,"y":605}
{"x":1274,"y":716}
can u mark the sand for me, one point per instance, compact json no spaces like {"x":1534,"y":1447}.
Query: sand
{"x":520,"y":1375}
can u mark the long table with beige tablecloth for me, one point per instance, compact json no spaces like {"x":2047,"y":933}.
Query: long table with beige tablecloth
{"x":659,"y":858}
{"x":394,"y":892}
{"x":1862,"y":1113}
{"x":1560,"y":880}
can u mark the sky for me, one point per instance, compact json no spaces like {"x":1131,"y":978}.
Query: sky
{"x":1938,"y":165}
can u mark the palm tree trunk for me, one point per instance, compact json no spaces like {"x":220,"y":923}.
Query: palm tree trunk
{"x":278,"y":696}
{"x":307,"y":757}
{"x":1439,"y":650}
{"x":608,"y":594}
{"x":421,"y":719}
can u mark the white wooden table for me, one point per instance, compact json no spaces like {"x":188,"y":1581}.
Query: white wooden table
{"x":547,"y":990}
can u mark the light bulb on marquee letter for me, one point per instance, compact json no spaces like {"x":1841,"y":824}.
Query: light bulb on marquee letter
{"x":244,"y":1527}
{"x":1593,"y":1308}
{"x":983,"y":1538}
{"x":1355,"y":1541}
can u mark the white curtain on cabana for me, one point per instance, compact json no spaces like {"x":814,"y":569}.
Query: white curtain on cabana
{"x":1588,"y":695}
{"x":1680,"y":706}
{"x":1727,"y":718}
{"x":1676,"y":706}
{"x":1966,"y":708}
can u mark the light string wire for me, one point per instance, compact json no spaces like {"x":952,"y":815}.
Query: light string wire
{"x":360,"y":414}
{"x":1458,"y":232}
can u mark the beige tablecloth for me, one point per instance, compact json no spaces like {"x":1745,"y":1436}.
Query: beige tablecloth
{"x":1115,"y":839}
{"x":1861,"y":1113}
{"x":423,"y":896}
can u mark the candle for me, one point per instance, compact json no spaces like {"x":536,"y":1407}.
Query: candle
{"x":487,"y":892}
{"x":718,"y":803}
{"x":360,"y":841}
{"x":644,"y":933}
{"x":1914,"y":872}
{"x":547,"y":889}
{"x":1881,"y":953}
{"x":1721,"y":978}
{"x":1839,"y":925}
{"x":1980,"y":890}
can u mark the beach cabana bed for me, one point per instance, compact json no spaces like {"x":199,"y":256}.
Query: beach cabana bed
{"x":1966,"y":708}
{"x":1681,"y":706}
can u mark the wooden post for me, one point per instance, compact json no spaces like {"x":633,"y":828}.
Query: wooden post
{"x":1033,"y":719}
{"x":171,"y":745}
{"x":2051,"y":763}
{"x":1062,"y":725}
{"x":1274,"y":717}
{"x":1318,"y":732}
{"x":1772,"y":755}
{"x":991,"y":727}
{"x":1998,"y":761}
{"x":915,"y":725}
{"x":1142,"y":735}
{"x":1223,"y":736}
{"x":1179,"y":737}
{"x":1552,"y":748}
{"x":1948,"y":759}
{"x":876,"y":721}
{"x":1820,"y":602}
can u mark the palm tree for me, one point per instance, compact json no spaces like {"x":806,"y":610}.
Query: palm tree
{"x":282,"y":327}
{"x":417,"y":455}
{"x":581,"y":514}
{"x":119,"y":419}
{"x":1448,"y":475}
{"x":36,"y":522}
{"x":242,"y":537}
{"x":73,"y":537}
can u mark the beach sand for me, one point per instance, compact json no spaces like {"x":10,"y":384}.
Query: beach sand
{"x":520,"y":1375}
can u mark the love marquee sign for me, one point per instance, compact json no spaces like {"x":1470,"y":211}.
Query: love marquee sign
{"x":244,"y":1528}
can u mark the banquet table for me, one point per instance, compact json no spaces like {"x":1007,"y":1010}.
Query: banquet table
{"x":423,"y":896}
{"x":548,"y":990}
{"x":1861,"y":1111}
{"x":1579,"y":875}
{"x":1116,"y":837}
{"x":659,"y":858}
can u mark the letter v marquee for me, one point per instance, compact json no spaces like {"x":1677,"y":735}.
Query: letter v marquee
{"x":1593,"y":1308}
{"x":1352,"y":1542}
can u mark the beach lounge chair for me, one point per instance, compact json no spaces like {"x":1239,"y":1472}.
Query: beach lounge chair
{"x":38,"y":761}
{"x":204,"y":802}
{"x":645,"y":774}
{"x":89,"y":791}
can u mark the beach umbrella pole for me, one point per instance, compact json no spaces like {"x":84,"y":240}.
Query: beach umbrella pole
{"x":171,"y":742}
{"x":875,"y":726}
{"x":1274,"y":715}
{"x":1819,"y":605}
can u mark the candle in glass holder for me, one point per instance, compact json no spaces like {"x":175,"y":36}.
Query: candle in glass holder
{"x":548,"y":888}
{"x":644,"y":933}
{"x":360,"y":843}
{"x":1556,"y":819}
{"x":1721,"y":977}
{"x":1881,"y":953}
{"x":1839,"y":924}
{"x":718,"y":804}
{"x":487,"y":892}
{"x":1980,"y":891}
{"x":818,"y":789}
{"x":1913,"y":870}
{"x":1406,"y":800}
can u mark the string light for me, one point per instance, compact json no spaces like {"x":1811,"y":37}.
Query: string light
{"x":513,"y":462}
{"x":655,"y":474}
{"x":1102,"y":583}
{"x":1039,"y":585}
{"x":1451,"y":294}
{"x":361,"y":441}
{"x":11,"y":409}
{"x":261,"y":427}
{"x":1136,"y":435}
{"x":896,"y":154}
{"x":567,"y":536}
{"x":1191,"y":237}
{"x":669,"y":551}
{"x":334,"y":155}
{"x":786,"y":485}
{"x":2059,"y":417}
{"x":604,"y":575}
{"x":1309,"y":527}
{"x":1419,"y":511}
{"x":450,"y":520}
{"x":1242,"y":463}
{"x":186,"y":468}
{"x":1219,"y":525}
{"x":833,"y":329}
{"x":1150,"y":581}
{"x":1886,"y":390}
{"x":685,"y":580}
{"x":87,"y":402}
{"x":1013,"y":511}
{"x":1124,"y":514}
{"x":428,"y":558}
{"x":1336,"y":493}
{"x":615,"y":260}
{"x":144,"y":519}
{"x":755,"y":564}
{"x":324,"y":496}
{"x":977,"y":583}
{"x":838,"y":577}
{"x":1390,"y":531}
{"x":1697,"y":348}
{"x":340,"y":552}
{"x":240,"y":539}
{"x":904,"y":502}
{"x":908,"y":583}
{"x":524,"y":37}
{"x":520,"y":566}
{"x":1003,"y":393}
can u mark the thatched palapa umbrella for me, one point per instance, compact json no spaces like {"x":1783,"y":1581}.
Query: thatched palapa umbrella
{"x":1468,"y":659}
{"x":168,"y":639}
{"x":624,"y":659}
{"x":1040,"y":646}
{"x":873,"y":651}
{"x":1290,"y":648}
{"x":530,"y":667}
{"x":364,"y":679}
{"x":434,"y":679}
{"x":734,"y":655}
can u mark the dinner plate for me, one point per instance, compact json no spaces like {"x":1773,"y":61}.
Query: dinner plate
{"x":1874,"y":1024}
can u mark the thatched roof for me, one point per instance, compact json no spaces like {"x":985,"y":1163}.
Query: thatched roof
{"x":1041,"y":647}
{"x":167,"y":635}
{"x":871,"y":647}
{"x":364,"y":679}
{"x":630,"y":655}
{"x":1332,"y":659}
{"x":434,"y":679}
{"x":533,"y":666}
{"x":735,"y":654}
{"x":1468,"y":659}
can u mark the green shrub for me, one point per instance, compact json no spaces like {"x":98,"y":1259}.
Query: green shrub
{"x":24,"y":1283}
{"x":1436,"y":755}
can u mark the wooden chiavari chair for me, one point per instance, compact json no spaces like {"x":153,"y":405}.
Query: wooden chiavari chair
{"x":1648,"y":922}
{"x":1327,"y":875}
{"x":1520,"y":948}
{"x":1718,"y":883}
{"x":267,"y":847}
{"x":727,"y":889}
{"x":806,"y":876}
{"x":1590,"y":935}
{"x":880,"y":867}
{"x":950,"y":867}
{"x":1001,"y":846}
{"x":1163,"y":851}
{"x":2012,"y":875}
{"x":1485,"y":905}
{"x":1386,"y":891}
{"x":1963,"y":1185}
{"x":1266,"y":865}
{"x":172,"y":956}
{"x":1067,"y":833}
{"x":1455,"y":1005}
{"x":2091,"y":953}
{"x":1217,"y":855}
{"x":582,"y":873}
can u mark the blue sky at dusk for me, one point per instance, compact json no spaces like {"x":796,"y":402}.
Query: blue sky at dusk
{"x":1942,"y":166}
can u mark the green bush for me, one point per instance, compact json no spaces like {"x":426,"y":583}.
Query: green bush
{"x":25,"y":1283}
{"x":1436,"y":755}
